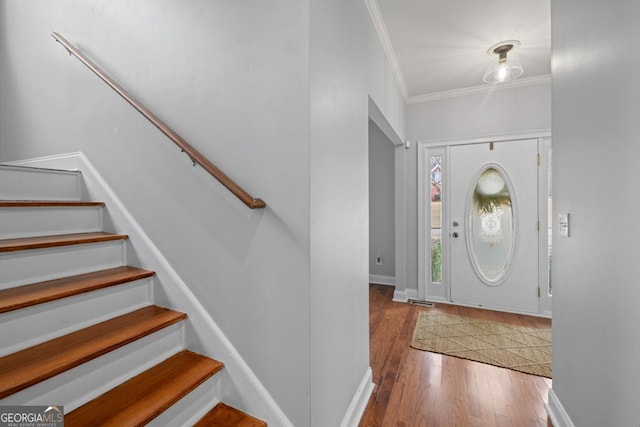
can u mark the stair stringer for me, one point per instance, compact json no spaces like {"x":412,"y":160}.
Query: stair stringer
{"x":240,"y":386}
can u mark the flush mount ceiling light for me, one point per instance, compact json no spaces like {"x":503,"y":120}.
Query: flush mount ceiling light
{"x":505,"y":69}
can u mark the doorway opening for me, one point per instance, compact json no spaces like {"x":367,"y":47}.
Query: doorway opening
{"x":386,"y":202}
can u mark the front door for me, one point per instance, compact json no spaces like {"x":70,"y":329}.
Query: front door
{"x":494,"y":225}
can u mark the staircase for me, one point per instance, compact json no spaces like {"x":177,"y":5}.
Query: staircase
{"x":78,"y":326}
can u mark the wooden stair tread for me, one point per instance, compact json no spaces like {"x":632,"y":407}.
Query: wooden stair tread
{"x":32,"y":365}
{"x":46,"y":203}
{"x":24,"y":243}
{"x":225,"y":416}
{"x":51,"y":290}
{"x":144,"y":397}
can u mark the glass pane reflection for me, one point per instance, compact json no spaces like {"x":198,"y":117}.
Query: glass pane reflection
{"x":491,"y":231}
{"x":436,"y":218}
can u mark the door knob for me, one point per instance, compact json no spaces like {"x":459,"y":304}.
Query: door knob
{"x":455,"y":223}
{"x":454,"y":235}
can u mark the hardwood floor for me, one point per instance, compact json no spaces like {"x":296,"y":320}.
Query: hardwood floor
{"x":416,"y":388}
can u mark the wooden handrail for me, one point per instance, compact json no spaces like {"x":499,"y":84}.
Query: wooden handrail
{"x":194,"y":154}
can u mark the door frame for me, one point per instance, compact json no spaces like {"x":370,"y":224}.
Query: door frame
{"x":442,"y":292}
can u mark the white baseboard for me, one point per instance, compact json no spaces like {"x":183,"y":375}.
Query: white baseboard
{"x":359,"y":401}
{"x":404,"y":295}
{"x":256,"y":399}
{"x":69,"y":161}
{"x":377,"y":279}
{"x":557,"y":413}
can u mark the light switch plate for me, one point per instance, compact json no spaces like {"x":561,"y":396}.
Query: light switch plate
{"x":563,"y":221}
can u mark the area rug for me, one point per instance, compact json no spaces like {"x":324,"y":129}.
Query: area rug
{"x":519,"y":348}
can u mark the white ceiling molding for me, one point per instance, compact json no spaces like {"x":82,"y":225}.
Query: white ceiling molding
{"x":546,"y":78}
{"x":383,"y":34}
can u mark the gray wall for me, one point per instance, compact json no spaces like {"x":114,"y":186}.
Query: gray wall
{"x":347,"y":65}
{"x":595,"y":272}
{"x":381,"y":203}
{"x":275,"y":94}
{"x":219,"y":74}
{"x":505,"y":111}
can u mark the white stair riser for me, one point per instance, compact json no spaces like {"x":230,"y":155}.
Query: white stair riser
{"x":83,"y":383}
{"x":18,"y":183}
{"x":188,"y":410}
{"x":27,"y":327}
{"x":30,"y":266}
{"x":41,"y":221}
{"x":33,"y":325}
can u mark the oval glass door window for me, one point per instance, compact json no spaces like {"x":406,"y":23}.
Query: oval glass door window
{"x":491,"y":224}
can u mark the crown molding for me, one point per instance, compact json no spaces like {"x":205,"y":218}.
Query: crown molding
{"x":378,"y":23}
{"x":537,"y":80}
{"x":383,"y":35}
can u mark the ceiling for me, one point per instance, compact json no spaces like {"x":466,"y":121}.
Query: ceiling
{"x":439,"y":48}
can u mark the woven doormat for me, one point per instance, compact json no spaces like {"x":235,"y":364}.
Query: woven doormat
{"x":519,"y":348}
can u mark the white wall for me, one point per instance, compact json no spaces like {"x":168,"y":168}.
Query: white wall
{"x":381,"y":203}
{"x":595,"y":271}
{"x":347,"y":65}
{"x":276,"y":94}
{"x":505,"y":111}
{"x":232,"y":78}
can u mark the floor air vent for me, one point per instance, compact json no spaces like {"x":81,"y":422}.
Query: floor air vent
{"x":422,"y":303}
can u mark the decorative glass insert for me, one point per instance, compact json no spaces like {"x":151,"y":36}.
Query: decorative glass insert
{"x":490,"y":224}
{"x":435,"y":202}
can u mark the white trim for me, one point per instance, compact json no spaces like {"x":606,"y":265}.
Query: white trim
{"x":557,"y":413}
{"x":405,"y":295}
{"x":255,"y":397}
{"x":424,"y":221}
{"x":66,"y":162}
{"x":377,"y":279}
{"x":426,"y":289}
{"x":423,"y":148}
{"x":545,"y":301}
{"x":532,"y":134}
{"x":400,"y":217}
{"x":488,"y":88}
{"x":359,"y":402}
{"x":18,"y":166}
{"x":377,"y":117}
{"x":383,"y":34}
